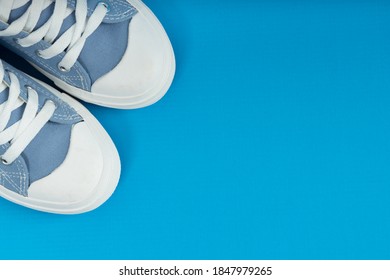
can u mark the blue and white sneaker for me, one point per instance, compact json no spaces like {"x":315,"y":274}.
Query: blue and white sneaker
{"x":54,"y":155}
{"x":114,"y":53}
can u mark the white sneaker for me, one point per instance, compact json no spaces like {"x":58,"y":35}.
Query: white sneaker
{"x":114,"y":53}
{"x":54,"y":155}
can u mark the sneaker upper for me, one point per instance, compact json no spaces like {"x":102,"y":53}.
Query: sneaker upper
{"x":55,"y":156}
{"x":112,"y":52}
{"x":48,"y":149}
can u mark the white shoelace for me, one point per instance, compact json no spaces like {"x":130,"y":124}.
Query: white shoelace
{"x":20,"y":134}
{"x":72,"y":41}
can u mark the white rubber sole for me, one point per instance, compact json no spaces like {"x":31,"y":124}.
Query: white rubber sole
{"x":151,"y":96}
{"x":108,"y":180}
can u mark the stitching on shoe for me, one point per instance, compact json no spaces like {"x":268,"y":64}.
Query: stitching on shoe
{"x":69,"y":79}
{"x":65,"y":117}
{"x":115,"y":6}
{"x":21,"y":175}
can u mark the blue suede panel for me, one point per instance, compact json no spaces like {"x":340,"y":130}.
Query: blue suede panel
{"x":103,"y":50}
{"x":49,"y":148}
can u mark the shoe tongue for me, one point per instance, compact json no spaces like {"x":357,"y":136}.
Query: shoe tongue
{"x":3,"y":92}
{"x":3,"y":88}
{"x":109,"y":54}
{"x":19,"y":10}
{"x":49,"y":148}
{"x":16,"y":114}
{"x":44,"y":17}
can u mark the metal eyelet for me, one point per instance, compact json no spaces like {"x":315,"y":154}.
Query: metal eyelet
{"x":49,"y":101}
{"x":38,"y":53}
{"x":63,"y":69}
{"x":16,"y":41}
{"x":4,"y":161}
{"x":28,"y":87}
{"x":105,"y":5}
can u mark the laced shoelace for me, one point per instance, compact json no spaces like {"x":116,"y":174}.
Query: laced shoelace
{"x":72,"y":41}
{"x":21,"y":133}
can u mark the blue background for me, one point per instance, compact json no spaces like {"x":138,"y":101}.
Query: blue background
{"x":273,"y":143}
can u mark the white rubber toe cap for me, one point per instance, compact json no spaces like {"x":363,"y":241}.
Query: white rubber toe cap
{"x":147,"y":68}
{"x":87,"y":177}
{"x":75,"y":180}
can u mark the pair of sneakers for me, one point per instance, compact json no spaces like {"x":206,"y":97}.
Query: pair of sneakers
{"x":54,"y":155}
